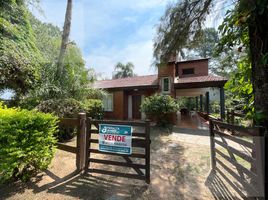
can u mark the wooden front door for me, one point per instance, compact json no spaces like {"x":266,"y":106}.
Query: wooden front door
{"x":136,"y":104}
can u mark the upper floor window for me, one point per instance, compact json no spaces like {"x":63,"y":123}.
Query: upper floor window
{"x":108,"y":102}
{"x":188,"y":71}
{"x":166,"y":85}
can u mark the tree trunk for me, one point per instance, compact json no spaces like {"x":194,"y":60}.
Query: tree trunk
{"x":258,"y":34}
{"x":65,"y":38}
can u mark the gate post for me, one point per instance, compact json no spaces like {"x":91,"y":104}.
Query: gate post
{"x":258,"y":153}
{"x":88,"y":137}
{"x":81,"y":142}
{"x":212,"y":145}
{"x":147,"y":151}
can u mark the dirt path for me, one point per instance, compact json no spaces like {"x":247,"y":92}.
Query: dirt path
{"x":179,"y":170}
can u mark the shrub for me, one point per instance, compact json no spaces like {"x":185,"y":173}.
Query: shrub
{"x":61,"y":107}
{"x":159,"y":106}
{"x":27,"y":143}
{"x":94,"y":108}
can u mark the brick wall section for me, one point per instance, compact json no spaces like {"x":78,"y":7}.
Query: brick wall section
{"x":118,"y":111}
{"x":167,"y":71}
{"x":200,"y":67}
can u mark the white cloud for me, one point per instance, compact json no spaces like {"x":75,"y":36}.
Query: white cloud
{"x":104,"y":59}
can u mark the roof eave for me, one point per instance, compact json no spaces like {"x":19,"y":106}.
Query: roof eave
{"x":132,"y":87}
{"x":200,"y":84}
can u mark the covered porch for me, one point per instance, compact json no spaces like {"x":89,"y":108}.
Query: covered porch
{"x":203,"y":90}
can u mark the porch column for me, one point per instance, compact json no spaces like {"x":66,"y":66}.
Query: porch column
{"x":201,"y":102}
{"x":196,"y":103}
{"x":222,"y":103}
{"x":207,"y":102}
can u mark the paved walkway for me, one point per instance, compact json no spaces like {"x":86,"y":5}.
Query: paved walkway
{"x":192,"y":121}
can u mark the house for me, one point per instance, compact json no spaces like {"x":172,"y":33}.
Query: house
{"x":177,"y":78}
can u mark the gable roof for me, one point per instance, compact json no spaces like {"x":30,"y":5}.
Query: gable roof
{"x":130,"y":82}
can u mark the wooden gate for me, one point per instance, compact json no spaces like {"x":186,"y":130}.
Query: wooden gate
{"x":140,"y":152}
{"x":237,"y":155}
{"x":80,"y":125}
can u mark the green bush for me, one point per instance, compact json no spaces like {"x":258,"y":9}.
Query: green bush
{"x":94,"y":108}
{"x":63,"y":108}
{"x":27,"y":144}
{"x":159,"y":106}
{"x":67,"y":108}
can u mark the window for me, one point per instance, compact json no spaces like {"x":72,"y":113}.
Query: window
{"x":187,"y":71}
{"x":165,"y":85}
{"x":108,"y":102}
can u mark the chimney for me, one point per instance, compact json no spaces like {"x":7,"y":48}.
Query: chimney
{"x":173,"y":58}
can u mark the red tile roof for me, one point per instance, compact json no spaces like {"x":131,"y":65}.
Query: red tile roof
{"x":199,"y":79}
{"x":137,"y":81}
{"x":152,"y":81}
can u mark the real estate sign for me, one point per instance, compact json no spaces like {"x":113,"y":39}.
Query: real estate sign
{"x":115,"y":138}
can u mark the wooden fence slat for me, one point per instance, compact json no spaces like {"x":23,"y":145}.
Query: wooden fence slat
{"x":212,"y":144}
{"x":119,"y":122}
{"x":147,"y":151}
{"x":94,"y":131}
{"x":117,"y":163}
{"x":235,"y":139}
{"x":137,"y":169}
{"x":235,"y":151}
{"x":234,"y":186}
{"x":245,"y":184}
{"x":235,"y":163}
{"x":134,"y":155}
{"x":67,"y":148}
{"x":241,"y":129}
{"x":69,"y":122}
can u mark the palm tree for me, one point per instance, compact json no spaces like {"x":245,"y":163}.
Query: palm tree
{"x":123,"y":71}
{"x":65,"y":37}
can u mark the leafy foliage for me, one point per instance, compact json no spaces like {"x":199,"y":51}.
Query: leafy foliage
{"x":75,"y":78}
{"x":123,"y":71}
{"x":27,"y":143}
{"x":94,"y":108}
{"x":186,"y":102}
{"x":61,"y":107}
{"x":179,"y":27}
{"x":19,"y":57}
{"x":159,"y":106}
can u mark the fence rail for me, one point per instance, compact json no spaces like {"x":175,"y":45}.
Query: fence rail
{"x":251,"y":179}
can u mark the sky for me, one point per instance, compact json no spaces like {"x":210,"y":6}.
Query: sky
{"x":112,"y":31}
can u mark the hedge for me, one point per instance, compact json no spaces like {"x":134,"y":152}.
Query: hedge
{"x":27,"y":144}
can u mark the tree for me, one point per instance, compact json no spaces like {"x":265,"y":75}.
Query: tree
{"x":19,"y":57}
{"x":65,"y":37}
{"x":179,"y":27}
{"x":73,"y":83}
{"x":204,"y":45}
{"x":123,"y":71}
